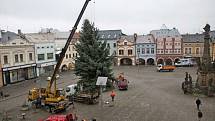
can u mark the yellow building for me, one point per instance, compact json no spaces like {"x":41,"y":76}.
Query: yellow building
{"x":70,"y":55}
{"x":126,"y":51}
{"x":193,"y":45}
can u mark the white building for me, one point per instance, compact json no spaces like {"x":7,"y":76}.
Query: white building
{"x":44,"y":51}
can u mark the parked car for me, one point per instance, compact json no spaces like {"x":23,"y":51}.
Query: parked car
{"x":186,"y":62}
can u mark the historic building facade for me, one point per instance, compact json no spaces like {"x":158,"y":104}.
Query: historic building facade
{"x":169,"y":45}
{"x":111,"y":37}
{"x":145,"y":50}
{"x":17,"y":58}
{"x":68,"y":62}
{"x":44,"y":52}
{"x":193,"y":45}
{"x":126,"y":51}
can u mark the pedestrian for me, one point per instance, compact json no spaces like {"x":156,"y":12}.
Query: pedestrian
{"x":112,"y":95}
{"x":200,"y":115}
{"x":1,"y":94}
{"x":190,"y":81}
{"x":198,"y":103}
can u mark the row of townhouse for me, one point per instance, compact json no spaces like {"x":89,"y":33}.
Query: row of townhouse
{"x":27,"y":56}
{"x":163,"y":46}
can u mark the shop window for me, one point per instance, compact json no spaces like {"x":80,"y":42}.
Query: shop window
{"x":41,"y":57}
{"x":50,"y":56}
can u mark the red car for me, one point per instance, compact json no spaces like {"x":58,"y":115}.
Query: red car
{"x":68,"y":117}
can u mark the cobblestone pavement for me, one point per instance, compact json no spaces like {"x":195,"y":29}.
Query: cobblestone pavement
{"x":152,"y":96}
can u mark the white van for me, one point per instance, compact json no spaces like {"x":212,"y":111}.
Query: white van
{"x":186,"y":62}
{"x":70,"y":90}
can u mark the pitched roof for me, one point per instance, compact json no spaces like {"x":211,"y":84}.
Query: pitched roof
{"x":192,"y":38}
{"x":109,"y":34}
{"x":145,"y":39}
{"x":7,"y":36}
{"x":40,"y":37}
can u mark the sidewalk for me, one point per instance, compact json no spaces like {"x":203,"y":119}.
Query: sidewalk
{"x":17,"y":89}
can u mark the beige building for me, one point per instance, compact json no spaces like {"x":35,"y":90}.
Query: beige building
{"x":1,"y":79}
{"x":68,"y":62}
{"x":17,"y":59}
{"x":126,"y":51}
{"x":193,"y":45}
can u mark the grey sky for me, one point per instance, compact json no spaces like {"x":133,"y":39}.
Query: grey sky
{"x":132,"y":16}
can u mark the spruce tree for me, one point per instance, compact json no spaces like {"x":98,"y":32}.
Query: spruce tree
{"x":93,"y":59}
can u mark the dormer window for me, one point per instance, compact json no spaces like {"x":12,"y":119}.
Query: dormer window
{"x":125,"y":43}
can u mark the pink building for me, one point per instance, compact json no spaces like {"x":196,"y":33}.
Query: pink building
{"x":169,"y":45}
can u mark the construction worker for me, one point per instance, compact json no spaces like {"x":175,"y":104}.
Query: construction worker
{"x":112,"y":95}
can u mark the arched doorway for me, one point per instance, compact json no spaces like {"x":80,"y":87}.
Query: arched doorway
{"x":160,"y":61}
{"x":150,"y":61}
{"x":168,"y":61}
{"x":142,"y":61}
{"x":125,"y":61}
{"x":64,"y":68}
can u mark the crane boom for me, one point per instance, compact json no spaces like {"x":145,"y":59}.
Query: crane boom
{"x":62,"y":54}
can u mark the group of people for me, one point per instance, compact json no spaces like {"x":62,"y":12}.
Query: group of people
{"x":187,"y":84}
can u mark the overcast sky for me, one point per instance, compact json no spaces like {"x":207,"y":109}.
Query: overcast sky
{"x":131,"y":16}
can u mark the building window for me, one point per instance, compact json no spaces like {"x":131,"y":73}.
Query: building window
{"x":143,"y":50}
{"x":73,"y":55}
{"x":152,"y":50}
{"x":50,"y":56}
{"x":30,"y":56}
{"x":161,"y":51}
{"x":197,"y":50}
{"x":186,"y":50}
{"x":41,"y":57}
{"x":76,"y":54}
{"x":190,"y":50}
{"x":138,"y":50}
{"x":38,"y":47}
{"x":108,"y":44}
{"x":69,"y":48}
{"x":5,"y":59}
{"x":147,"y":50}
{"x":129,"y":52}
{"x":166,"y":51}
{"x":16,"y":58}
{"x":21,"y":57}
{"x":125,"y":43}
{"x":47,"y":46}
{"x":42,"y":47}
{"x":66,"y":56}
{"x":114,"y":44}
{"x":51,"y":46}
{"x":121,"y":52}
{"x":70,"y":56}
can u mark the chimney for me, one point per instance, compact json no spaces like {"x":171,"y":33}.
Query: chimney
{"x":19,"y":32}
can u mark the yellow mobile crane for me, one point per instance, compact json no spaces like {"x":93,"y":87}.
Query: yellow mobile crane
{"x":45,"y":97}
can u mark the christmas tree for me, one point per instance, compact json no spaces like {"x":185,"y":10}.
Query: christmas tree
{"x":93,"y":58}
